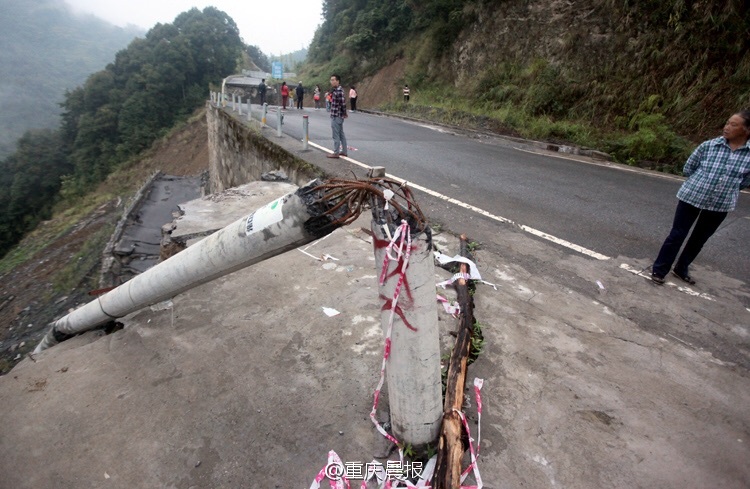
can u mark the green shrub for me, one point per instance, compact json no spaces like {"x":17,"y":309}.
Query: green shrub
{"x":652,"y":143}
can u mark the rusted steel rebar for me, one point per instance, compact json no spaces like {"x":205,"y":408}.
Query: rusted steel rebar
{"x":355,"y":196}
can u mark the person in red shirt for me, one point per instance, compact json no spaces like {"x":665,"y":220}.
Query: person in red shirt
{"x":284,"y":95}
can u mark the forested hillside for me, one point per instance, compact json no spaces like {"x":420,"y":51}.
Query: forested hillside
{"x":642,"y":79}
{"x":156,"y":82}
{"x":46,"y":49}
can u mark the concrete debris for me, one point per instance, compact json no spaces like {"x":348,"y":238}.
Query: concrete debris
{"x":275,"y":176}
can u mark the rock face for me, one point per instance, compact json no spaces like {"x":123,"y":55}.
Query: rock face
{"x":557,"y":31}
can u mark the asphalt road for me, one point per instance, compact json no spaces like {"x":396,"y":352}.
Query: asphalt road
{"x":610,"y":209}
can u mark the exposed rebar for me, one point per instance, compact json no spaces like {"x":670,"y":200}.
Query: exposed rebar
{"x":346,"y":199}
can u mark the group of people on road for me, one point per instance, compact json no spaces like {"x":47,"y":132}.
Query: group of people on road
{"x":291,"y":96}
{"x":716,"y":172}
{"x":335,"y":105}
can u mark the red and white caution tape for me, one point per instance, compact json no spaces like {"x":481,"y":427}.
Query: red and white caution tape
{"x":399,"y":250}
{"x":455,"y":277}
{"x":452,"y":308}
{"x":401,"y":244}
{"x":473,"y":270}
{"x":334,"y":472}
{"x":429,"y":469}
{"x":478,"y":383}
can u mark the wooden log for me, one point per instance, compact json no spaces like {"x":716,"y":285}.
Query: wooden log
{"x":451,"y":446}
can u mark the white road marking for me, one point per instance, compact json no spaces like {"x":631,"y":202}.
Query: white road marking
{"x":686,"y":290}
{"x":530,"y":230}
{"x":535,"y":232}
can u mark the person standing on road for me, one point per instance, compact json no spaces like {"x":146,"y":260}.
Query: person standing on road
{"x":284,"y":95}
{"x":353,"y":98}
{"x":338,"y":114}
{"x":717,"y":170}
{"x":300,"y":94}
{"x":406,"y":93}
{"x":316,"y":96}
{"x":262,"y":91}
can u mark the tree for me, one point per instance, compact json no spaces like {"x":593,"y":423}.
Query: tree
{"x":30,"y":180}
{"x":260,"y":59}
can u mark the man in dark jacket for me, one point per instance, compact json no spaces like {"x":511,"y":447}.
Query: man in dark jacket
{"x":262,"y":91}
{"x":300,"y":92}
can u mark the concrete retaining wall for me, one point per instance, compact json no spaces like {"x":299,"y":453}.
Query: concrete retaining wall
{"x":238,"y":153}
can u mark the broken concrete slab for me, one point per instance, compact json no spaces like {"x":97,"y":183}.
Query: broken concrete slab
{"x":200,"y":217}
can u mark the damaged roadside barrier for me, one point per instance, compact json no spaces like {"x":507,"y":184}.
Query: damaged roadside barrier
{"x":284,"y":224}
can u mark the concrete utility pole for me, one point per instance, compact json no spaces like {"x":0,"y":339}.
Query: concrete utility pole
{"x":413,"y":368}
{"x":284,"y":224}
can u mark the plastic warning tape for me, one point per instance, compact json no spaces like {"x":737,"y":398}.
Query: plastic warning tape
{"x":478,"y":383}
{"x":401,"y":244}
{"x":338,"y":481}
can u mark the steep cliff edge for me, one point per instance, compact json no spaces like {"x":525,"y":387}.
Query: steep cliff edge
{"x":56,"y":265}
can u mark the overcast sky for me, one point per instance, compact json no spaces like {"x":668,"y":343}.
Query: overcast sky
{"x":262,"y":23}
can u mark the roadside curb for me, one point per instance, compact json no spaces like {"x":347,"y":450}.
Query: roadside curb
{"x":560,"y":148}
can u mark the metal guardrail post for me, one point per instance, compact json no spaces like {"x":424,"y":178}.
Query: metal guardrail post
{"x":305,"y":132}
{"x":279,"y":121}
{"x":239,"y":106}
{"x":265,"y":114}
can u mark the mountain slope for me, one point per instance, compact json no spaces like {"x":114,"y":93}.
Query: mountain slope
{"x":637,"y":78}
{"x":45,"y":50}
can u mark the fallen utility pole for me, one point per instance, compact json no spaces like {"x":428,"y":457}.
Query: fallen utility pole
{"x":284,"y":224}
{"x":451,"y":445}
